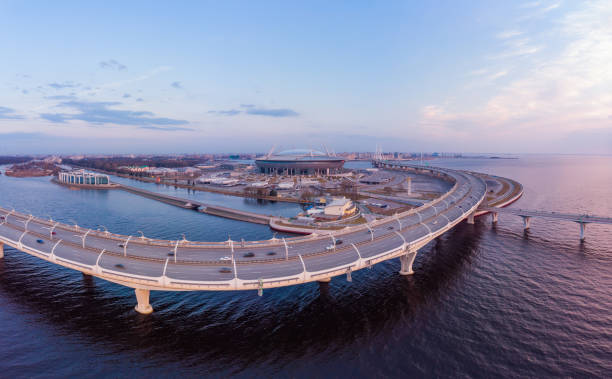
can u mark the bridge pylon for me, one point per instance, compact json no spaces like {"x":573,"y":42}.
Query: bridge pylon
{"x":406,"y":261}
{"x":470,"y":219}
{"x":526,"y":222}
{"x":582,"y":230}
{"x":143,"y":306}
{"x":1,"y":250}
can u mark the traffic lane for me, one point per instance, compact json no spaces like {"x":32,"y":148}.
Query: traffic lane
{"x":415,"y":233}
{"x":65,"y":235}
{"x":124,"y":265}
{"x":374,"y":248}
{"x":331,"y":260}
{"x":10,"y":232}
{"x":195,"y":272}
{"x":270,"y":270}
{"x":76,"y":254}
{"x":38,"y":243}
{"x":437,"y":223}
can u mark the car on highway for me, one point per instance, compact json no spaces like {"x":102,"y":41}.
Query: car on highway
{"x":120,"y":265}
{"x":225,"y":270}
{"x":40,"y":241}
{"x":225,"y":259}
{"x":339,"y":242}
{"x":330,"y":247}
{"x":271,"y":253}
{"x":250,"y":254}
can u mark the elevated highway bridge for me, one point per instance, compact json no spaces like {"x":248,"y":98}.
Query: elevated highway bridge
{"x":147,"y":264}
{"x":581,"y":219}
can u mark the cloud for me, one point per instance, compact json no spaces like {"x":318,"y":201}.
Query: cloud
{"x":126,"y":95}
{"x":531,"y":4}
{"x":282,"y":112}
{"x":497,"y":75}
{"x":60,"y":97}
{"x":230,"y":112}
{"x":139,"y":99}
{"x":538,"y":9}
{"x":517,"y":47}
{"x":253,"y":110}
{"x":550,"y":97}
{"x":64,"y":85}
{"x":176,"y":85}
{"x":9,"y":114}
{"x":112,"y":64}
{"x":166,"y":128}
{"x":509,"y":34}
{"x":99,"y":113}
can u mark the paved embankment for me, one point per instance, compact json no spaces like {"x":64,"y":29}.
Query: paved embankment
{"x":214,"y":210}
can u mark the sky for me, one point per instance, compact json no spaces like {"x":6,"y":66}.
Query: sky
{"x":242,"y":76}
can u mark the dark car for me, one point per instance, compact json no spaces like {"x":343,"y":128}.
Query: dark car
{"x":250,"y":254}
{"x":390,"y":228}
{"x":121,"y":245}
{"x":119,"y":265}
{"x":171,"y":253}
{"x":40,"y":241}
{"x":225,"y":270}
{"x":338,"y":242}
{"x":271,"y":253}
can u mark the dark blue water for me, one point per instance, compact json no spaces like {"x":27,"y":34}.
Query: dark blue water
{"x":485,"y":300}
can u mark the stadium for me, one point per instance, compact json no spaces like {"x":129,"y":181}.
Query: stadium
{"x":299,"y":162}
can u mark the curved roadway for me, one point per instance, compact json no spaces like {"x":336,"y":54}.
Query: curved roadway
{"x":184,"y":265}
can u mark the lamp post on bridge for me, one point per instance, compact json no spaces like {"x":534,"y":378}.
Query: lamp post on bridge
{"x":106,"y":232}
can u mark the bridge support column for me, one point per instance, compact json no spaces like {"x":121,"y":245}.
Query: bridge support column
{"x":407,"y":260}
{"x":143,"y":306}
{"x":1,"y":250}
{"x":326,"y":280}
{"x":470,"y":219}
{"x":582,"y":230}
{"x":494,"y":216}
{"x":526,"y":222}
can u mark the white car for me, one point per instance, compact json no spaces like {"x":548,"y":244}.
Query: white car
{"x":225,"y":259}
{"x":330,"y":247}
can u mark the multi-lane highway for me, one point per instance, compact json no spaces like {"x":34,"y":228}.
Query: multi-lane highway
{"x":149,"y":264}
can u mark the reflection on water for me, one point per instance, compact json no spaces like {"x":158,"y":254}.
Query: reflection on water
{"x":484,"y":300}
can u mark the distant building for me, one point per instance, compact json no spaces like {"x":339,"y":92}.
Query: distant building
{"x":82,"y":177}
{"x":299,"y":162}
{"x":340,"y":206}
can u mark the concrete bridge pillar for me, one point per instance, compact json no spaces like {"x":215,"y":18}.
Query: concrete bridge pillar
{"x":494,"y":216}
{"x":326,"y":280}
{"x":526,"y":222}
{"x":582,"y":230}
{"x":143,"y":306}
{"x":470,"y":219}
{"x":407,"y":260}
{"x":1,"y":250}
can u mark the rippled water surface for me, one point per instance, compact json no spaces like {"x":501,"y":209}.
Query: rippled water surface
{"x":484,"y":301}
